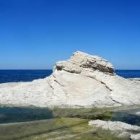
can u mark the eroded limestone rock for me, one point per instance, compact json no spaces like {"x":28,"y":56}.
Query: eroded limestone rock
{"x":80,"y":61}
{"x":81,"y":81}
{"x":119,"y":129}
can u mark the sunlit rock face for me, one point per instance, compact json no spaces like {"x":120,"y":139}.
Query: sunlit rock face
{"x":81,"y":61}
{"x":81,"y":81}
{"x":120,"y":129}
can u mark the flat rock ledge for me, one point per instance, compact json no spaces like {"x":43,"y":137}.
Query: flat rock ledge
{"x":81,"y":81}
{"x":119,"y":129}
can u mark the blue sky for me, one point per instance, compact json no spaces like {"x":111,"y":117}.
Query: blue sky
{"x":34,"y":34}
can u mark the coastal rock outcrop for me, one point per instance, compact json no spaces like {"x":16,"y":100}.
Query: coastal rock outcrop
{"x":119,"y":129}
{"x":82,"y":81}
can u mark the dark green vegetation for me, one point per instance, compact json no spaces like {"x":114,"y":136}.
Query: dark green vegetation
{"x":58,"y":124}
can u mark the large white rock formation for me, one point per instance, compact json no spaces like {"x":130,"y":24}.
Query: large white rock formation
{"x":81,"y":81}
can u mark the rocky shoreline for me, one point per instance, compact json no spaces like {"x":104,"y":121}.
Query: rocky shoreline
{"x":83,"y":81}
{"x":119,"y":129}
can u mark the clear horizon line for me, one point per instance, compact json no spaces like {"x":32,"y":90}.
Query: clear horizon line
{"x":52,"y":69}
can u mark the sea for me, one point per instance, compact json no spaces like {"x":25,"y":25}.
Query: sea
{"x":7,"y":76}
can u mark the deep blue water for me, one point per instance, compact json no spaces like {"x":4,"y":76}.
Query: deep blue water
{"x":129,"y":73}
{"x":22,"y":75}
{"x":29,"y":75}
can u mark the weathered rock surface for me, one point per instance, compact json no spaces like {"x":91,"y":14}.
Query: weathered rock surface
{"x":119,"y":129}
{"x":81,"y":81}
{"x":81,"y":61}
